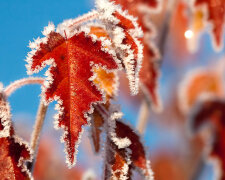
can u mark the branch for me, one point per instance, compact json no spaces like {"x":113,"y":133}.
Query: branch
{"x":86,"y":17}
{"x":20,"y":83}
{"x":37,"y":130}
{"x":143,"y":116}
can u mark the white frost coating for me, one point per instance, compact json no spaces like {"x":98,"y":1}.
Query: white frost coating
{"x":120,"y":142}
{"x":106,"y":10}
{"x":5,"y":116}
{"x":1,"y":87}
{"x":48,"y":29}
{"x":117,"y":34}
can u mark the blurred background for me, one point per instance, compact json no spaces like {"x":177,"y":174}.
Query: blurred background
{"x":188,"y":58}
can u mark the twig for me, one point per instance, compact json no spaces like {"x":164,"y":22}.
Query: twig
{"x":143,"y":116}
{"x":20,"y":83}
{"x":37,"y":129}
{"x":84,"y":18}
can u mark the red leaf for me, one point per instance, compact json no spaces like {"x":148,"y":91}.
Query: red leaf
{"x":124,"y":150}
{"x":124,"y":33}
{"x":117,"y":165}
{"x":149,"y":72}
{"x":213,"y":111}
{"x":70,"y":78}
{"x":137,"y":156}
{"x":13,"y":151}
{"x":216,"y":16}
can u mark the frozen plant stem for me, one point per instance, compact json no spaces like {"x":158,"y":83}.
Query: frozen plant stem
{"x":37,"y":128}
{"x":20,"y":83}
{"x":86,"y":17}
{"x":143,"y":116}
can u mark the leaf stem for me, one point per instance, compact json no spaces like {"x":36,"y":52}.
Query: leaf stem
{"x":37,"y":129}
{"x":143,"y":116}
{"x":20,"y":83}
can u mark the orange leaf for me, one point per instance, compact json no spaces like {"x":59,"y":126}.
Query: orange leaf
{"x":70,"y":79}
{"x":198,"y":83}
{"x":105,"y":80}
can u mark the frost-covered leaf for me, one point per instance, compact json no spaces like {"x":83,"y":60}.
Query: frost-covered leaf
{"x":70,"y":78}
{"x":198,"y":84}
{"x":212,"y":111}
{"x":13,"y":151}
{"x":117,"y":165}
{"x":137,"y":156}
{"x":124,"y":33}
{"x":124,"y":151}
{"x":149,"y":72}
{"x":216,"y":16}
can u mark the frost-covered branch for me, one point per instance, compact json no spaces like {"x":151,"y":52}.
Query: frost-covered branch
{"x":20,"y":83}
{"x":37,"y":128}
{"x":84,"y":18}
